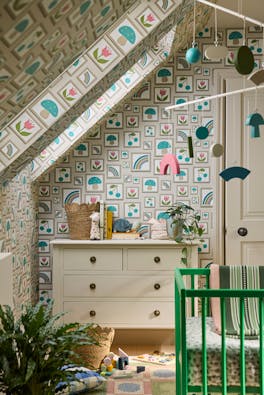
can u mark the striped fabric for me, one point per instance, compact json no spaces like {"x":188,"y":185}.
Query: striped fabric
{"x":242,"y":277}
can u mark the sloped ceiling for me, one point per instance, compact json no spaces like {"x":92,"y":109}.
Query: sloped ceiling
{"x":101,"y":65}
{"x":39,"y":39}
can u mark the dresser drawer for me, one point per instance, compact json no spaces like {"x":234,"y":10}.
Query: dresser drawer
{"x":151,"y":286}
{"x":92,"y":259}
{"x":121,"y":314}
{"x":153,"y":259}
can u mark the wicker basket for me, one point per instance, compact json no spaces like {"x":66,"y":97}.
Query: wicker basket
{"x":79,"y":221}
{"x":92,"y":355}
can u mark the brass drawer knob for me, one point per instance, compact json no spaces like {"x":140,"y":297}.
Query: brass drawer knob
{"x":93,"y":259}
{"x":156,"y":313}
{"x":92,"y":313}
{"x":156,"y":259}
{"x":157,"y":286}
{"x":92,"y":286}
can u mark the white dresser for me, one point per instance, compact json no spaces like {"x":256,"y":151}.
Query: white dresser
{"x":118,"y":283}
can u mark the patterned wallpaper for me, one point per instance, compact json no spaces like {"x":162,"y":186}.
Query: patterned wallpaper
{"x":119,"y":160}
{"x":18,"y":228}
{"x":39,"y":39}
{"x":90,"y":76}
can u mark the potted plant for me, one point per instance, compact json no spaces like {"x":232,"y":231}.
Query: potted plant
{"x":34,"y":348}
{"x":183,"y":222}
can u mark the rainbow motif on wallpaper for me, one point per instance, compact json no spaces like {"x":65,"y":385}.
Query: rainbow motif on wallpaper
{"x":140,"y":93}
{"x":210,"y":126}
{"x":208,"y":199}
{"x":72,"y":197}
{"x":182,"y":135}
{"x":113,"y":171}
{"x":141,"y":162}
{"x":44,"y":207}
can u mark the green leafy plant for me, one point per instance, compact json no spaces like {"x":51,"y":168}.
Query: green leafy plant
{"x":184,"y":221}
{"x":34,"y":348}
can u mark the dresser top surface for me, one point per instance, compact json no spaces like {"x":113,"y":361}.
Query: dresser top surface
{"x":136,"y":242}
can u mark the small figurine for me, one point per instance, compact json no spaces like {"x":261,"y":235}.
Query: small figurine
{"x":95,"y":231}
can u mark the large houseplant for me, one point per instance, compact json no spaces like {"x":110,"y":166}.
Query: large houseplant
{"x":183,"y":222}
{"x":34,"y":348}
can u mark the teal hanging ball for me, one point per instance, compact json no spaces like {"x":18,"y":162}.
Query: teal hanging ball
{"x":193,"y":55}
{"x":202,"y":132}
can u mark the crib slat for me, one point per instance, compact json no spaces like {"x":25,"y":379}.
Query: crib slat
{"x":204,"y":351}
{"x":193,"y":299}
{"x":223,"y":346}
{"x":242,"y":348}
{"x":261,"y":345}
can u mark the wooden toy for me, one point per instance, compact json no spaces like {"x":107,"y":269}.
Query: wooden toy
{"x":257,"y":77}
{"x":244,"y":60}
{"x":169,"y":160}
{"x":202,"y":132}
{"x":217,"y":150}
{"x":234,"y":172}
{"x":254,"y":120}
{"x":190,"y":146}
{"x":216,"y":52}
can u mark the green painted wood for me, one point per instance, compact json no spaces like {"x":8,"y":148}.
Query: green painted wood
{"x":204,"y":350}
{"x":242,"y":348}
{"x":223,"y":346}
{"x":261,"y":345}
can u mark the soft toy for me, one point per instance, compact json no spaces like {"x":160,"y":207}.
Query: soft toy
{"x":95,"y":231}
{"x":158,"y":229}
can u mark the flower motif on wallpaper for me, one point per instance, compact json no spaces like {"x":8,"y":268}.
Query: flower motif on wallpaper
{"x":132,"y":193}
{"x":162,"y":95}
{"x":97,"y":165}
{"x":201,"y":157}
{"x":166,"y":129}
{"x":63,"y":228}
{"x":112,"y":155}
{"x":132,"y":121}
{"x":182,"y":191}
{"x":147,"y":20}
{"x":166,"y":200}
{"x":25,"y":127}
{"x":182,"y":120}
{"x":101,"y":57}
{"x":69,"y":94}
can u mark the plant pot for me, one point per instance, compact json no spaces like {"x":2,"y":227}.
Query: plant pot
{"x":174,"y":230}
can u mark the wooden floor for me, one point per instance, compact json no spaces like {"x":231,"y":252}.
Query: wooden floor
{"x":142,"y":341}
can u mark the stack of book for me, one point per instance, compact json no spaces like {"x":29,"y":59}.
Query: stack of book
{"x":105,"y":222}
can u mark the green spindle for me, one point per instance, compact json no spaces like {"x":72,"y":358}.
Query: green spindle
{"x":261,"y":345}
{"x":223,"y":346}
{"x":204,"y":351}
{"x":190,"y":146}
{"x":192,"y":299}
{"x":242,"y":347}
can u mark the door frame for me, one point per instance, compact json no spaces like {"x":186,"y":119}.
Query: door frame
{"x":218,"y":164}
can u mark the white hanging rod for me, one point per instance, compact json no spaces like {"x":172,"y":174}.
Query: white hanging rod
{"x":231,"y":12}
{"x":207,"y":98}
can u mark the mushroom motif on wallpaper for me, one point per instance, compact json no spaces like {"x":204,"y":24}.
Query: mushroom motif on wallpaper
{"x":235,"y":36}
{"x":127,"y":34}
{"x":81,"y":149}
{"x":164,"y":146}
{"x":111,"y":139}
{"x":254,"y":121}
{"x":164,"y":74}
{"x":49,"y":108}
{"x":150,"y":184}
{"x":94,"y":182}
{"x":150,"y":113}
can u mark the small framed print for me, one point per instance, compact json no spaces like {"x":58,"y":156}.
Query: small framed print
{"x":165,"y":114}
{"x":165,"y":185}
{"x":234,"y":37}
{"x":80,"y":166}
{"x":230,"y":57}
{"x":78,"y":180}
{"x":113,"y":155}
{"x":207,"y":199}
{"x":204,"y":105}
{"x":97,"y":165}
{"x":255,"y":29}
{"x":111,"y":140}
{"x":164,"y":75}
{"x":182,"y":64}
{"x":162,"y":95}
{"x":132,"y":192}
{"x":202,"y":84}
{"x":96,"y":149}
{"x":150,"y":130}
{"x":45,"y":206}
{"x":136,"y":109}
{"x":132,"y":121}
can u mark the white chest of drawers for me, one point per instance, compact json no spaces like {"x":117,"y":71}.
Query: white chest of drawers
{"x":124,"y":284}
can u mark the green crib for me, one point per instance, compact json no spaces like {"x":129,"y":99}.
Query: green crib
{"x":207,"y":362}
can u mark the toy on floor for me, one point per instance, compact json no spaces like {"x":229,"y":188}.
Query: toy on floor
{"x":95,"y":231}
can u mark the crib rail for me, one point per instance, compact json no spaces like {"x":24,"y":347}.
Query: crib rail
{"x":187,"y":293}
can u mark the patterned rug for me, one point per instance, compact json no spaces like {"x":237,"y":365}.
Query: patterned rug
{"x":153,"y":381}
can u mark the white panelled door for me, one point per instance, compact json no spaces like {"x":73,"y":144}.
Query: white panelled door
{"x":244,"y":199}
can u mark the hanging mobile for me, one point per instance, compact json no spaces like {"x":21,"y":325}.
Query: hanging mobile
{"x":244,"y":59}
{"x":216,"y":52}
{"x":258,"y":76}
{"x":255,"y":120}
{"x":193,"y":54}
